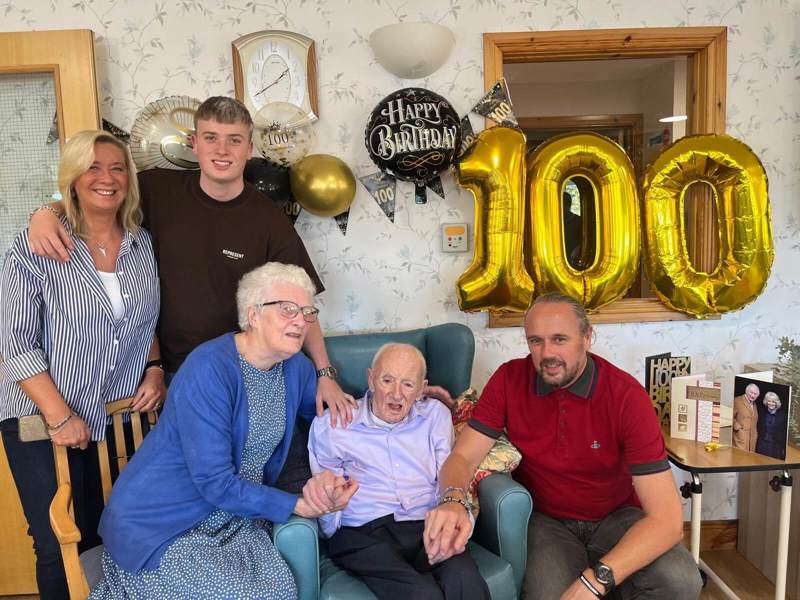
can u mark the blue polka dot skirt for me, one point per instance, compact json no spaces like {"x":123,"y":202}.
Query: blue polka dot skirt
{"x":225,"y":556}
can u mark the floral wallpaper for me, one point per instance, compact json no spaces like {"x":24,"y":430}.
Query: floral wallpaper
{"x":384,"y":276}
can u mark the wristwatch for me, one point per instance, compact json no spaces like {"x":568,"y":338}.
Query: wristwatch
{"x":328,"y":371}
{"x":604,"y":575}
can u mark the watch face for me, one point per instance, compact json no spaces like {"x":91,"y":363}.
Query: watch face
{"x":276,"y":73}
{"x":604,"y":574}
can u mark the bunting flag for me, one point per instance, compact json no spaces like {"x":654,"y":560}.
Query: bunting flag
{"x":496,"y":105}
{"x":382,"y":188}
{"x":117,"y":132}
{"x":341,"y":221}
{"x":435,"y":184}
{"x":290,"y":208}
{"x":467,"y":134}
{"x":420,"y":193}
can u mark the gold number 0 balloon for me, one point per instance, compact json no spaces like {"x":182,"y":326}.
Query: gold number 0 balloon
{"x":610,"y":172}
{"x":746,"y":252}
{"x":493,"y":170}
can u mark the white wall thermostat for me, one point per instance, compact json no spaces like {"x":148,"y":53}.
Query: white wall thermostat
{"x":454,"y":237}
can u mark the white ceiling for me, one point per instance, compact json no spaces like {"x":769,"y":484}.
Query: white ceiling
{"x":631,"y":69}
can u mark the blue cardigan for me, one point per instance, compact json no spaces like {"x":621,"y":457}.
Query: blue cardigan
{"x":188,"y":466}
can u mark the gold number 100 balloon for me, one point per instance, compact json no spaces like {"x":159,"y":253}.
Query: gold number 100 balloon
{"x":505,"y":239}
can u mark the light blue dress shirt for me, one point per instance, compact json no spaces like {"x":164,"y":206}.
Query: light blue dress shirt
{"x":397,"y":468}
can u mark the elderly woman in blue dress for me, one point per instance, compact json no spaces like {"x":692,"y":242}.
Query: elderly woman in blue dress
{"x":75,"y":336}
{"x":188,"y":518}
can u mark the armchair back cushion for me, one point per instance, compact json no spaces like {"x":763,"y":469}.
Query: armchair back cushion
{"x":448,"y":349}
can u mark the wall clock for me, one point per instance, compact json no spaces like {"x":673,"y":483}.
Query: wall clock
{"x":275,"y":66}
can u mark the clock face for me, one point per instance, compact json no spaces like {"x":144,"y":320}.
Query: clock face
{"x":275,"y":73}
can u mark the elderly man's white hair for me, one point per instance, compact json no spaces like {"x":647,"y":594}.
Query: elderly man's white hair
{"x":772,"y":396}
{"x":752,"y":387}
{"x":255,"y":287}
{"x":397,"y":346}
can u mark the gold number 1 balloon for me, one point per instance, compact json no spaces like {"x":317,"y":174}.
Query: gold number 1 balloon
{"x":493,"y":170}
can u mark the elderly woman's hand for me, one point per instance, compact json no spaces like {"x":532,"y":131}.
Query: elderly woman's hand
{"x":75,"y":434}
{"x":151,"y":392}
{"x":326,"y":492}
{"x":340,"y":405}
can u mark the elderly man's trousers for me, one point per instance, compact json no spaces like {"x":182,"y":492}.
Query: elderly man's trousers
{"x":389,"y":557}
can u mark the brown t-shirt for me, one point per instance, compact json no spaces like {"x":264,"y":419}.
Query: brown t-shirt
{"x":203,"y":248}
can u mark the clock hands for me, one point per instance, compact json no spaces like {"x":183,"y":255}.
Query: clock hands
{"x":281,"y":76}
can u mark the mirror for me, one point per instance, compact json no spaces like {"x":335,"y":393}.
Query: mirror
{"x":700,"y":198}
{"x":578,"y":222}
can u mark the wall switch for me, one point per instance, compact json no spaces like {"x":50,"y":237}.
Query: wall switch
{"x":454,"y":237}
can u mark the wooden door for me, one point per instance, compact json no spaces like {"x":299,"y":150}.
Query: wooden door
{"x":48,"y":91}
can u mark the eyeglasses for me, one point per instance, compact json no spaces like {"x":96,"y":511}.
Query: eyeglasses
{"x":289,"y":310}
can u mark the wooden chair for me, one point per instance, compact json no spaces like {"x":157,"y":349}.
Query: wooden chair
{"x":61,"y":515}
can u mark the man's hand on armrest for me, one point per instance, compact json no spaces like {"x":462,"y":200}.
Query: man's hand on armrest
{"x":47,"y":236}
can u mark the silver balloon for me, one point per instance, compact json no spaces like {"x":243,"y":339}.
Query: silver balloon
{"x":283,"y":133}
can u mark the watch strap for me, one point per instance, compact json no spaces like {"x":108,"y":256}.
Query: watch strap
{"x":328,"y":371}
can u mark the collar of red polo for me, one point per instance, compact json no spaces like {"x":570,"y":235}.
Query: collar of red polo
{"x":582,"y":387}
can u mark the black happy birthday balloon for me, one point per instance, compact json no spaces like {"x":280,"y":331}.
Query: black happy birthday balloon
{"x":413,"y":134}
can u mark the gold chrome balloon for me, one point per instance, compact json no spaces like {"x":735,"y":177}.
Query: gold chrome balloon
{"x":746,"y":252}
{"x":609,"y":171}
{"x":493,"y":170}
{"x":322,"y":184}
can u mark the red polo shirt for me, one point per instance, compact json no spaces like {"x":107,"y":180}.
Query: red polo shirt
{"x":580,"y":445}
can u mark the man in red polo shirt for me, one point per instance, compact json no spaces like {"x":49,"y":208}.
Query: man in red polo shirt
{"x":606,"y":510}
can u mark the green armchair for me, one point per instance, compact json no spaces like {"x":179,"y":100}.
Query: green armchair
{"x":499,"y":544}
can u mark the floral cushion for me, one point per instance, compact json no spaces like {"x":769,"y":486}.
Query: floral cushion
{"x":502,"y":458}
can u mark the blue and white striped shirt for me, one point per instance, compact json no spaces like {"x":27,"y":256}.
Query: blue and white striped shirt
{"x":58,"y":318}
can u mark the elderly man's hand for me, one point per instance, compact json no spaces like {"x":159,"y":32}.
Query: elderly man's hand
{"x":447,"y":529}
{"x":340,"y":405}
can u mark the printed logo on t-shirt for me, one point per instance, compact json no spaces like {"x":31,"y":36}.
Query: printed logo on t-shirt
{"x":595,"y":445}
{"x":232,"y":255}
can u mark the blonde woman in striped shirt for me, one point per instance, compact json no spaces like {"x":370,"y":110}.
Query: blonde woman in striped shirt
{"x":75,"y":336}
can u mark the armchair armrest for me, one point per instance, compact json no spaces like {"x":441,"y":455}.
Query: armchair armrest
{"x":502,"y":525}
{"x":296,"y":540}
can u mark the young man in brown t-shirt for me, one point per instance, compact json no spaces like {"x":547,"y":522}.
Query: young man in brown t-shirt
{"x":209,"y":229}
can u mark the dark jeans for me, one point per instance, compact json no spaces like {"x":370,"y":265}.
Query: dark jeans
{"x":390,"y":559}
{"x":560,"y":550}
{"x":33,"y":468}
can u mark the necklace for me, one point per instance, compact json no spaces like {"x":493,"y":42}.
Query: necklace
{"x":103,"y":249}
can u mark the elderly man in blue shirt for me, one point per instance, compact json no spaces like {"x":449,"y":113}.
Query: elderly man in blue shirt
{"x":394,"y":448}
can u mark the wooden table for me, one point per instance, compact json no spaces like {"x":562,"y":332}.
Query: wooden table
{"x":692,"y":456}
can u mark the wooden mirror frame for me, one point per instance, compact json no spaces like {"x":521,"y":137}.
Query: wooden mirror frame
{"x":706,"y":50}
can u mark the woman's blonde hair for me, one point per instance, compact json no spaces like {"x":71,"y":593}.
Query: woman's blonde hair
{"x":76,"y":158}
